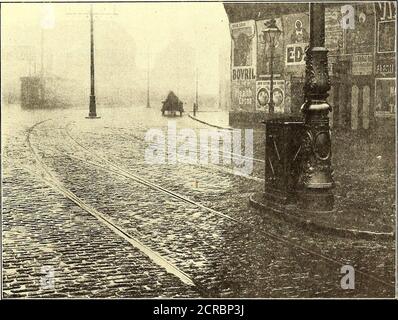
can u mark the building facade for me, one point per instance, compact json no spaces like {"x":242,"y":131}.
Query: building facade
{"x":360,"y":38}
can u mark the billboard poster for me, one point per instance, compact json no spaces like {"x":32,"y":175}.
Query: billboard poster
{"x":296,"y":39}
{"x":243,"y":77}
{"x":243,"y":95}
{"x":295,"y":54}
{"x":243,"y":44}
{"x":360,"y":39}
{"x":385,"y":66}
{"x":385,"y":38}
{"x":362,"y":64}
{"x":263,"y":95}
{"x":264,"y":50}
{"x":386,"y":43}
{"x":385,"y":104}
{"x":333,"y":30}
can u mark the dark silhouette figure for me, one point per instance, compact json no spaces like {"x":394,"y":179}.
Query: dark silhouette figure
{"x":172,"y":104}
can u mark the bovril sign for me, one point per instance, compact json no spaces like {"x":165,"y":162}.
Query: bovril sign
{"x":243,"y":74}
{"x":295,"y":54}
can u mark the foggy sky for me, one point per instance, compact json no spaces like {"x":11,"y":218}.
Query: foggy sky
{"x":146,"y":29}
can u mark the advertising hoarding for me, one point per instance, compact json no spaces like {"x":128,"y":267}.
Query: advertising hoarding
{"x":264,"y":50}
{"x":263,"y":95}
{"x":296,"y":39}
{"x":243,"y":69}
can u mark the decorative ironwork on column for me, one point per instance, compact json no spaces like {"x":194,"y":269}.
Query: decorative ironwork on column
{"x":316,"y":171}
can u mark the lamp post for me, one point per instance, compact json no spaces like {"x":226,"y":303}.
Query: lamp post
{"x":316,"y":179}
{"x":271,"y":35}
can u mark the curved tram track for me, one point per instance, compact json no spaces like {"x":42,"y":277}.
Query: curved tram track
{"x":50,"y":179}
{"x":112,"y":168}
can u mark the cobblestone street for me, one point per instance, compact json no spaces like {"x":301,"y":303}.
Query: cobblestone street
{"x":79,"y":198}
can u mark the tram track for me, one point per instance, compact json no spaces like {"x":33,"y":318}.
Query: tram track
{"x":221,"y":155}
{"x":158,"y":259}
{"x":112,"y":168}
{"x":47,"y":176}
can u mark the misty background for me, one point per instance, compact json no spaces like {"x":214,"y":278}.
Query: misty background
{"x":173,"y":43}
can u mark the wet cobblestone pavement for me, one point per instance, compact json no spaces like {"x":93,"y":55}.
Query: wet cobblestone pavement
{"x":243,"y":254}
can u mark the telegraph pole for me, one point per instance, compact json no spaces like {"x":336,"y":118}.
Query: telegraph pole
{"x":42,"y":85}
{"x":93,"y":106}
{"x":148,"y":103}
{"x":197,"y":91}
{"x":42,"y":54}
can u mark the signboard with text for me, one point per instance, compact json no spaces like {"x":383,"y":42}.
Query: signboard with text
{"x":243,"y":69}
{"x":295,"y":54}
{"x":362,"y":64}
{"x":333,"y":29}
{"x":385,"y":39}
{"x":360,"y":38}
{"x":243,"y":95}
{"x":296,"y":38}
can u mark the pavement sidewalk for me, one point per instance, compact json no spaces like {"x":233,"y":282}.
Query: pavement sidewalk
{"x":218,"y":119}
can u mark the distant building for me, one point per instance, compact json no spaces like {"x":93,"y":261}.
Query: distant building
{"x":31,"y":92}
{"x":361,"y":59}
{"x":65,"y":52}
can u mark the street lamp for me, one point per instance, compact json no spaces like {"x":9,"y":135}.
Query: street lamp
{"x":271,"y":35}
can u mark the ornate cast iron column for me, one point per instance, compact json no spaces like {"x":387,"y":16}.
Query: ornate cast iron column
{"x":315,"y":178}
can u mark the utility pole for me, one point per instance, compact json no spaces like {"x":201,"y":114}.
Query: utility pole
{"x":148,"y":103}
{"x":42,"y":67}
{"x":42,"y":54}
{"x":197,"y":89}
{"x":92,"y":106}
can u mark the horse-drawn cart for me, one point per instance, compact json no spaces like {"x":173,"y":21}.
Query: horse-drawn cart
{"x":172,"y":105}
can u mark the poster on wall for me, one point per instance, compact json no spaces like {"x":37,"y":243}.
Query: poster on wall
{"x":385,"y":97}
{"x":243,"y":95}
{"x":385,"y":19}
{"x":263,"y":95}
{"x":362,"y":64}
{"x":385,"y":38}
{"x":296,"y":39}
{"x":333,"y":29}
{"x":386,"y":42}
{"x":243,"y":43}
{"x":360,"y":39}
{"x":243,"y":75}
{"x":385,"y":66}
{"x":264,"y":50}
